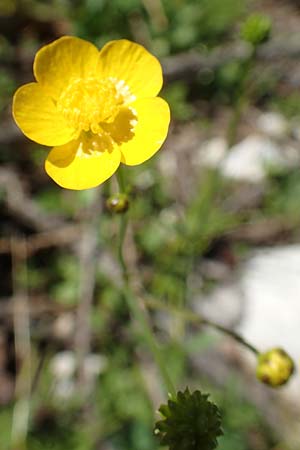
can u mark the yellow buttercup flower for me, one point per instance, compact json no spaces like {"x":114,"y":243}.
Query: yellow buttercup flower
{"x":96,"y":108}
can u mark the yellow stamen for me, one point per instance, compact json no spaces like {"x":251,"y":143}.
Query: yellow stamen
{"x":86,"y":103}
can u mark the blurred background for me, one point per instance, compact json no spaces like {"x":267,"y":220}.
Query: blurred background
{"x":214,"y":227}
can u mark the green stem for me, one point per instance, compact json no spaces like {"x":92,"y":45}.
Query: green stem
{"x":121,"y":180}
{"x":139,"y":313}
{"x":198,"y":320}
{"x":234,"y":121}
{"x":231,"y":333}
{"x":122,"y":233}
{"x":241,"y":99}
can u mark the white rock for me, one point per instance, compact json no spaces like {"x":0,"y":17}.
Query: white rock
{"x":168,"y":216}
{"x":292,"y":156}
{"x":167,"y":164}
{"x":265,"y":302}
{"x":295,"y":126}
{"x":63,"y":365}
{"x":64,"y":326}
{"x":211,"y":152}
{"x":273,"y":124}
{"x":271,"y":290}
{"x":144,"y":180}
{"x":249,"y":159}
{"x":94,"y":364}
{"x":223,"y":305}
{"x":64,"y":388}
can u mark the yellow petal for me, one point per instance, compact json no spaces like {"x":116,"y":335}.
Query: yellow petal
{"x":37,"y":116}
{"x":77,"y":166}
{"x":66,"y":58}
{"x":132,"y":63}
{"x":153,"y":118}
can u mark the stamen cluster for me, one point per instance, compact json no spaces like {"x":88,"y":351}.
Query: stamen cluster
{"x":85,"y":103}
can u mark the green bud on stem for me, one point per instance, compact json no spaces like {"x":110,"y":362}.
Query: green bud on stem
{"x":256,"y":29}
{"x":274,"y":367}
{"x":117,"y":203}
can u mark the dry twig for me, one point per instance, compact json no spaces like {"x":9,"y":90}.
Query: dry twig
{"x":21,"y":206}
{"x":65,"y":235}
{"x":22,"y":345}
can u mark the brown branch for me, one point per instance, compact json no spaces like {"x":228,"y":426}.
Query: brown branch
{"x":53,"y":238}
{"x":263,"y":232}
{"x":37,"y":306}
{"x":20,"y":204}
{"x":188,"y":65}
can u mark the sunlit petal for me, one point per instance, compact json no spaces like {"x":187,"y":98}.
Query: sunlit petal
{"x":78,"y":165}
{"x":37,"y":116}
{"x":152,"y":123}
{"x":63,"y":60}
{"x":133,"y":64}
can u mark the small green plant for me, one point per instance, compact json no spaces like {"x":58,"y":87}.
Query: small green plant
{"x":190,"y":422}
{"x":256,"y":29}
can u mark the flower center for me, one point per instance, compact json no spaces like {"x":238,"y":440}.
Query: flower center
{"x":85,"y":103}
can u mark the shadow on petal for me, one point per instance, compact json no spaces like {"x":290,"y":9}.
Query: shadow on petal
{"x":121,"y":130}
{"x":63,"y":155}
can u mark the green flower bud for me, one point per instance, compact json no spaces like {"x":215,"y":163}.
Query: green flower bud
{"x":190,"y":422}
{"x":274,"y":367}
{"x":256,"y":29}
{"x":118,"y":203}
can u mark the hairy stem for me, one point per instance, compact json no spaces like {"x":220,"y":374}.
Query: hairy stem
{"x":138,"y":310}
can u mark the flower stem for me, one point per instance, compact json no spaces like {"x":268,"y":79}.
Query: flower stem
{"x":122,"y":233}
{"x":241,"y":98}
{"x":190,"y":316}
{"x":237,"y":337}
{"x":121,"y":180}
{"x":140,"y":315}
{"x":139,"y":312}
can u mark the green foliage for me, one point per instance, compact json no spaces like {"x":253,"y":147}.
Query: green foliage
{"x":173,"y":26}
{"x":282,"y":198}
{"x":163,"y":241}
{"x":5,"y":426}
{"x":60,"y":437}
{"x":240,"y":419}
{"x":176,"y":95}
{"x":7,"y":7}
{"x":228,"y":77}
{"x":65,"y":290}
{"x":256,"y":29}
{"x":7,"y":87}
{"x":119,"y":384}
{"x":51,"y":200}
{"x":190,"y":422}
{"x":288,"y":105}
{"x":200,"y":22}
